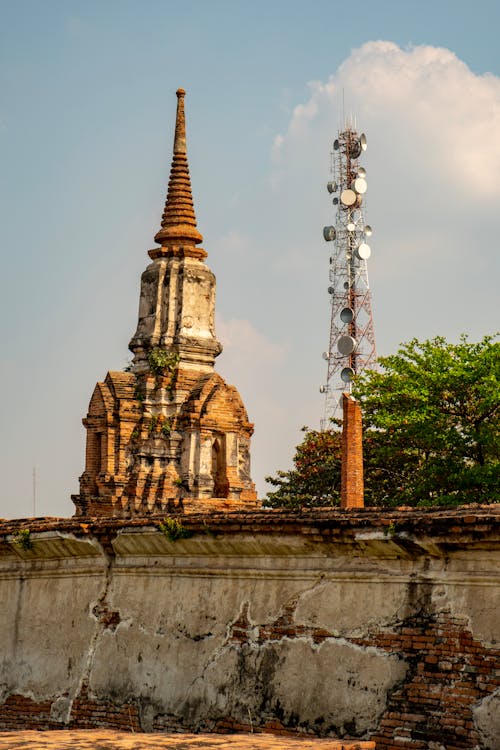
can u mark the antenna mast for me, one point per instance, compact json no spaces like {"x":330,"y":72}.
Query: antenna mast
{"x":352,"y":338}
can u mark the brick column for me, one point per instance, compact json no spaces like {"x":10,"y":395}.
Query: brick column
{"x":352,"y":487}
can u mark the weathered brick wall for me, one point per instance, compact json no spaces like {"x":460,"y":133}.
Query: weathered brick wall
{"x":352,"y":482}
{"x":342,"y":624}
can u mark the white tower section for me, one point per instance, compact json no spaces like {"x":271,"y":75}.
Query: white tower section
{"x":351,"y":347}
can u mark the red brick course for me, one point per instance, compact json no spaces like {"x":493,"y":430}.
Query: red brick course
{"x":352,"y":485}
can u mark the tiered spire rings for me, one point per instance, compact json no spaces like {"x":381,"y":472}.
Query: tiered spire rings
{"x":178,"y":234}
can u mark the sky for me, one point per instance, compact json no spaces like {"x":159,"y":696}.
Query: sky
{"x":87,"y":107}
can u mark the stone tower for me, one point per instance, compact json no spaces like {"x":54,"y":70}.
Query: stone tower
{"x":170,"y":434}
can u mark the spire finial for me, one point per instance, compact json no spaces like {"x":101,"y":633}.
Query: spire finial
{"x":178,"y":223}
{"x":180,"y":124}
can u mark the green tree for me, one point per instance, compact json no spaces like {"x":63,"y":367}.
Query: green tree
{"x":431,"y":420}
{"x":315,"y":478}
{"x":431,"y":417}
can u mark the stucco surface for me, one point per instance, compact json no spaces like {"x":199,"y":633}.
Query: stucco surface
{"x":367,"y":635}
{"x":46,"y":631}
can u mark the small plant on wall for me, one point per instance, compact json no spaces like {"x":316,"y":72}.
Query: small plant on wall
{"x":23,"y":539}
{"x":162,"y":361}
{"x":173,"y":529}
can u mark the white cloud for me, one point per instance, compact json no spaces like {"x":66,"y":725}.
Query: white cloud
{"x":433,"y":165}
{"x":445,"y":117}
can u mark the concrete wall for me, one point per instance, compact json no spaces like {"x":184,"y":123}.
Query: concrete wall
{"x":337,"y":623}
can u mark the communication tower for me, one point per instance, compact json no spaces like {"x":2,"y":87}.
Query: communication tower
{"x":351,"y":347}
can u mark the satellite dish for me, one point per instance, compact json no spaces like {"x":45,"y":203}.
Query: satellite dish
{"x":322,"y":389}
{"x":362,"y":172}
{"x":348,"y":197}
{"x":355,"y":149}
{"x":335,"y":201}
{"x":368,"y":230}
{"x":346,"y":315}
{"x":347,"y":374}
{"x":346,"y":285}
{"x":359,"y":200}
{"x":362,"y":142}
{"x":346,"y":345}
{"x":336,"y":145}
{"x":329,"y":233}
{"x":363,"y":252}
{"x":326,"y":356}
{"x":331,"y":290}
{"x":332,"y":187}
{"x":351,"y":227}
{"x":359,"y":185}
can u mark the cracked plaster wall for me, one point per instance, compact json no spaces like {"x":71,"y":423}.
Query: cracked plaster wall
{"x":195,"y":633}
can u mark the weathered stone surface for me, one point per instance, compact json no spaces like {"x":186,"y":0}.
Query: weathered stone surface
{"x":334,"y":686}
{"x":313,"y":622}
{"x":487,"y":718}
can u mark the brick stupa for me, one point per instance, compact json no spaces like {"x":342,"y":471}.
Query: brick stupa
{"x":170,"y":434}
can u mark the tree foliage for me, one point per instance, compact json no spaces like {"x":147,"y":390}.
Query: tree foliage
{"x":431,"y":420}
{"x":431,"y":417}
{"x":315,"y":478}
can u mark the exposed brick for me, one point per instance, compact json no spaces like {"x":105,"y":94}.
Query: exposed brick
{"x":352,"y":486}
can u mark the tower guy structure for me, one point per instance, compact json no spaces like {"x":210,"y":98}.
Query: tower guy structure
{"x":170,"y":434}
{"x":351,"y":346}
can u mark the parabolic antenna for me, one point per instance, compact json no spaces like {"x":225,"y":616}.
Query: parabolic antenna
{"x":335,"y":201}
{"x":363,"y":252}
{"x":359,"y":185}
{"x":347,"y":374}
{"x":331,"y":290}
{"x":346,"y":285}
{"x":326,"y":356}
{"x":346,"y":315}
{"x":322,"y":389}
{"x":355,"y":149}
{"x":362,"y":172}
{"x":329,"y":233}
{"x":368,"y":230}
{"x":336,"y":145}
{"x":351,"y":227}
{"x":348,"y":197}
{"x":332,"y":187}
{"x":362,"y":142}
{"x":346,"y":345}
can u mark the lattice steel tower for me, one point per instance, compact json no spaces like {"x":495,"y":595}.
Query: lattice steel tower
{"x":352,"y":338}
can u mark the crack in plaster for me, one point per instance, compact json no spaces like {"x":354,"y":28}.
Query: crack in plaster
{"x":256,"y":642}
{"x":63,"y":705}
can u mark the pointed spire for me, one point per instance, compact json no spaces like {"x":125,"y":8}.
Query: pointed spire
{"x":178,"y":223}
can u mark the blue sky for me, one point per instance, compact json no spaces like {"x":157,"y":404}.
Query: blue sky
{"x":87,"y":101}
